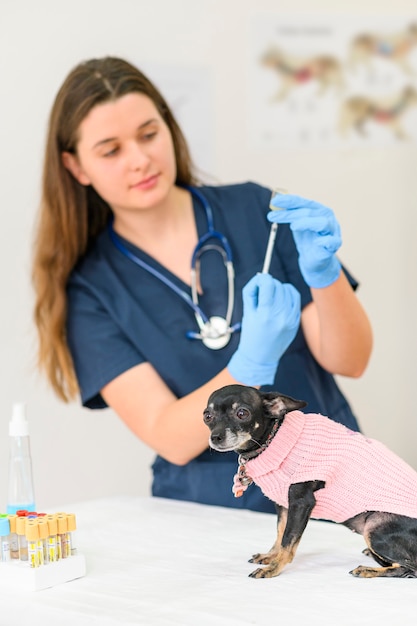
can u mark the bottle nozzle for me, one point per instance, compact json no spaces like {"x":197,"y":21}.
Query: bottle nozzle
{"x":18,"y":425}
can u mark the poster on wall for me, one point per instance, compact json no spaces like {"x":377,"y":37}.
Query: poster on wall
{"x":187,"y":91}
{"x":332,"y":81}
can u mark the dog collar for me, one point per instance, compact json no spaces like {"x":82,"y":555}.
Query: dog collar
{"x":251,"y":455}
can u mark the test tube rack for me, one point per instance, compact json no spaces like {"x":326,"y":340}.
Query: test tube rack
{"x":39,"y":551}
{"x":19,"y":575}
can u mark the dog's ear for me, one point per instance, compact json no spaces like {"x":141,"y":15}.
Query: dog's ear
{"x":278,"y":405}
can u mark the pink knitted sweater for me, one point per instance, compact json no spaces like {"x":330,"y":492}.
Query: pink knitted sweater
{"x":360,"y":474}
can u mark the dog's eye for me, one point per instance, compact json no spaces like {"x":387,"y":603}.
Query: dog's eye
{"x":242,"y":413}
{"x":207,"y":417}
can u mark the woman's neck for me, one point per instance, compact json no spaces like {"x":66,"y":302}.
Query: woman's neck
{"x":144,"y":226}
{"x":168,"y":233}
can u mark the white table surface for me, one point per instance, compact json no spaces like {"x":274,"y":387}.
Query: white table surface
{"x":163,"y":562}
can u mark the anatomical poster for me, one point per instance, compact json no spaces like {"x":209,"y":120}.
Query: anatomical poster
{"x":332,"y":81}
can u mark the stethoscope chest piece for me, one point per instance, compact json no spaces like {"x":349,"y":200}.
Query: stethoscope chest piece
{"x":215,"y":334}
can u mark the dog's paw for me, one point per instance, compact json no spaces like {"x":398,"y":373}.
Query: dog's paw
{"x":265,"y":572}
{"x":257,"y":573}
{"x":358,"y":571}
{"x":262,"y":559}
{"x":365,"y":572}
{"x":391,"y":571}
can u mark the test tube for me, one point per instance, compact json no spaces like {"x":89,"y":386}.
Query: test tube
{"x":21,"y":535}
{"x":62,"y":536}
{"x":32,"y":537}
{"x":72,"y":527}
{"x":52,"y":538}
{"x":273,"y":232}
{"x":14,"y":543}
{"x":43,"y":539}
{"x":5,"y":538}
{"x":39,"y":545}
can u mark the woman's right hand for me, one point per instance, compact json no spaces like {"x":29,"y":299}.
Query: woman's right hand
{"x":271,"y":317}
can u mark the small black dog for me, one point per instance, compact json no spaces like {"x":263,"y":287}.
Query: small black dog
{"x":310,"y":466}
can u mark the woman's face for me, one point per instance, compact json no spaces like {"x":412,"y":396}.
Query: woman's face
{"x":125,"y":151}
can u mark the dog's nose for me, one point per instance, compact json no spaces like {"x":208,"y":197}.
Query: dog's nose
{"x":217,"y":438}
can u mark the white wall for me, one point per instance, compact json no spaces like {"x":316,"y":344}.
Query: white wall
{"x":80,"y":454}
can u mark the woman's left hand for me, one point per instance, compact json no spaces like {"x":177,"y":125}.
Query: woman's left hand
{"x":316,"y":234}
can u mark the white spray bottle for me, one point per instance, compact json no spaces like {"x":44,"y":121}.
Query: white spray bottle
{"x":21,"y":492}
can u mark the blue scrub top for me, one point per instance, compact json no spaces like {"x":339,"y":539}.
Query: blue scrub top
{"x":119,"y":316}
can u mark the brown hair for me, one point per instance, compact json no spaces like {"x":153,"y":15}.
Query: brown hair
{"x":72,"y":215}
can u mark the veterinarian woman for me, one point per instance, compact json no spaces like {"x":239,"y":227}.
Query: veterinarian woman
{"x":118,"y":323}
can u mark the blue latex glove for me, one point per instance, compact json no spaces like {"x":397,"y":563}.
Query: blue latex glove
{"x":316,"y":234}
{"x":271,"y":317}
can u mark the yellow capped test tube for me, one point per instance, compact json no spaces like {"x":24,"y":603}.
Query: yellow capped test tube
{"x":62,"y":536}
{"x":52,"y":538}
{"x":43,"y":540}
{"x":32,"y":536}
{"x":72,"y":527}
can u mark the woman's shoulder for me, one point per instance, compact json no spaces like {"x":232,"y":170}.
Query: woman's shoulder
{"x":237,"y":189}
{"x":246,"y":194}
{"x":92,"y":265}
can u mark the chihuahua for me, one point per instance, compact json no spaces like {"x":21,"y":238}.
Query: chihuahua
{"x":311,"y":466}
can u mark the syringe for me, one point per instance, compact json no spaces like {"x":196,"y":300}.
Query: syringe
{"x":272,"y":233}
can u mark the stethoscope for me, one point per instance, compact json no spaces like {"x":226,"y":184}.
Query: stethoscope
{"x":215,"y":332}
